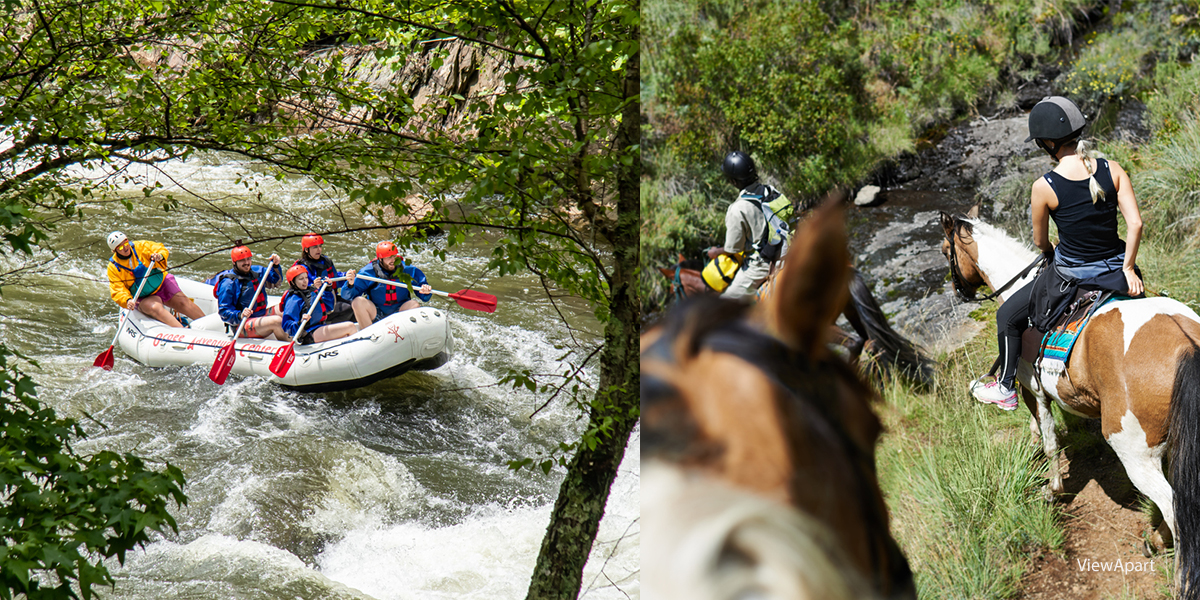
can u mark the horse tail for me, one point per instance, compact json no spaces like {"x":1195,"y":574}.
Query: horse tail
{"x":893,"y":350}
{"x":1185,"y":471}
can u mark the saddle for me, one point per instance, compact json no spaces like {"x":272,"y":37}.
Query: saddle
{"x":1049,"y":351}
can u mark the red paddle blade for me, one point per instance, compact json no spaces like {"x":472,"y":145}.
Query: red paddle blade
{"x":105,"y":360}
{"x":475,"y":300}
{"x":284,"y":357}
{"x":223,"y":365}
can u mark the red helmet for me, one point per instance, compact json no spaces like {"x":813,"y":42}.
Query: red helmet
{"x":240,"y":253}
{"x":385,"y":249}
{"x":294,"y":271}
{"x":311,"y":240}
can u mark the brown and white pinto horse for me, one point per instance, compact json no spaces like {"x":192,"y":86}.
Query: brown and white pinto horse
{"x":761,"y":445}
{"x":1135,"y":367}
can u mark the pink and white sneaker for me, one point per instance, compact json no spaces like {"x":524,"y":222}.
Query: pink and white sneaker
{"x":995,"y":393}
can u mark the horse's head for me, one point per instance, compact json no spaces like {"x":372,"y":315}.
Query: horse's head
{"x":754,"y":399}
{"x":959,"y":247}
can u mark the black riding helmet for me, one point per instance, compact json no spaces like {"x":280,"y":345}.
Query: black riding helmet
{"x":739,"y":169}
{"x":1053,"y":122}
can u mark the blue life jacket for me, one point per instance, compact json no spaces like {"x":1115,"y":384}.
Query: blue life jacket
{"x":233,"y":291}
{"x":321,"y":268}
{"x":295,"y":304}
{"x":387,"y":298}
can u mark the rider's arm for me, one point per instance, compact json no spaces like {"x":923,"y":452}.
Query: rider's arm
{"x":1041,"y":196}
{"x":1127,"y":204}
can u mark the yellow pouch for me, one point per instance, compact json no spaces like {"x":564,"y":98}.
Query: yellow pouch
{"x":719,"y":272}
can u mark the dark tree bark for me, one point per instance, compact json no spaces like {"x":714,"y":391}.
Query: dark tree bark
{"x":584,"y":492}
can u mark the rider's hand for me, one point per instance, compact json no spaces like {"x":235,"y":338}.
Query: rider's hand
{"x":156,"y":257}
{"x":1134,"y":282}
{"x":350,"y":275}
{"x":275,"y":258}
{"x":425,"y":290}
{"x":131,"y":304}
{"x":246,"y":312}
{"x":715,"y":251}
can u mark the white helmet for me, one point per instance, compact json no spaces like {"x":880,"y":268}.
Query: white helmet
{"x":115,"y":239}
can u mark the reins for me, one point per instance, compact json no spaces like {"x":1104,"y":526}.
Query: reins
{"x":960,"y":285}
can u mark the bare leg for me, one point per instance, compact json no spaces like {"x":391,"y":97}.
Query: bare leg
{"x":335,"y":331}
{"x":265,"y":326}
{"x":364,"y":311}
{"x":414,"y":303}
{"x":152,"y":306}
{"x":181,"y":303}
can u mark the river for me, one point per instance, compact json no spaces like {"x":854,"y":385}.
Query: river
{"x":397,"y":490}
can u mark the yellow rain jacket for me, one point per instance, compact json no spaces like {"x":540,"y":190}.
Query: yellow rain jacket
{"x":121,"y":282}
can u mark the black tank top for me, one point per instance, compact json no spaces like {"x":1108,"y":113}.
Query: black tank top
{"x":1086,"y":232}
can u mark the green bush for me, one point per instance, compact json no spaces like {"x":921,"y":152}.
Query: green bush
{"x":62,"y":510}
{"x":1109,"y":67}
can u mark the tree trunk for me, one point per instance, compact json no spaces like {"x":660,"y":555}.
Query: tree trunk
{"x":584,"y":492}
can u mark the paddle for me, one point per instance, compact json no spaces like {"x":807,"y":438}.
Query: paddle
{"x":105,"y":360}
{"x":285,"y":356}
{"x":465,"y":298}
{"x":225,"y":358}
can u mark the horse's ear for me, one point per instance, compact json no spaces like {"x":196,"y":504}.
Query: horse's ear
{"x":947,"y":224}
{"x":974,"y":212}
{"x":812,"y":289}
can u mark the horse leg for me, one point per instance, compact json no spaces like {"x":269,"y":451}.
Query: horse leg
{"x":1143,"y":464}
{"x":1043,"y":420}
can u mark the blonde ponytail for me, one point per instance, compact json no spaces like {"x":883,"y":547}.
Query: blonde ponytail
{"x":1088,"y":156}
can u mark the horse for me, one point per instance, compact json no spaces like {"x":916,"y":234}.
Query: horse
{"x":863,"y":313}
{"x":760,"y":444}
{"x":1135,"y":367}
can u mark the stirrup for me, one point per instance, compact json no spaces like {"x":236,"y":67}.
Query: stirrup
{"x":979,"y":380}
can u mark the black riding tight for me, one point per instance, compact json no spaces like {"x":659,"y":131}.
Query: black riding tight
{"x":1011,"y":320}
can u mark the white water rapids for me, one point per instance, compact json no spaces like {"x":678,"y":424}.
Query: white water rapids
{"x":394,"y":491}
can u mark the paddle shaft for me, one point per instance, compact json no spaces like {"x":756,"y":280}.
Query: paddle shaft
{"x":393,"y":283}
{"x":136,"y":294}
{"x":258,"y":291}
{"x":308,"y":315}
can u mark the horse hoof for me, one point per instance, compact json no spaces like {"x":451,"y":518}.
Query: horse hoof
{"x":1148,"y":549}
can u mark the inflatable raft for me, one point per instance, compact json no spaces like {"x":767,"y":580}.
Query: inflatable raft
{"x":417,"y":339}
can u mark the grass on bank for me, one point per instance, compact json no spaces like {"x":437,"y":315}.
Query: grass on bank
{"x":963,"y":482}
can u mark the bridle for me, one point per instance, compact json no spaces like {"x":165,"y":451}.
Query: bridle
{"x":961,"y":286}
{"x":722,"y":330}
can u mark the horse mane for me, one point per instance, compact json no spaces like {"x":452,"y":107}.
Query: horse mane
{"x":998,"y":252}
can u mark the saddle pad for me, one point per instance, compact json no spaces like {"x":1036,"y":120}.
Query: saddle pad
{"x":1058,"y":342}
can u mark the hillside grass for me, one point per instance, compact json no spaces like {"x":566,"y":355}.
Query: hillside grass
{"x":963,"y":481}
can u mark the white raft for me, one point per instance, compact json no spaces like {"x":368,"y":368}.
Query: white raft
{"x":417,"y":339}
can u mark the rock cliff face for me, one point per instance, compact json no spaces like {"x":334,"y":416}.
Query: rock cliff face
{"x":465,"y":70}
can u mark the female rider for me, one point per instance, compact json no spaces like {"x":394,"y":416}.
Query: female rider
{"x":1083,"y":194}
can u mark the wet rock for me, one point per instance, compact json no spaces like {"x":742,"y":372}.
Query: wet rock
{"x":868,"y":196}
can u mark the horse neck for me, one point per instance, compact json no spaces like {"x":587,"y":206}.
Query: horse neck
{"x":1001,"y":258}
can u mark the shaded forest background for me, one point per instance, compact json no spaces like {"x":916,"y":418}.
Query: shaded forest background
{"x":833,"y":93}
